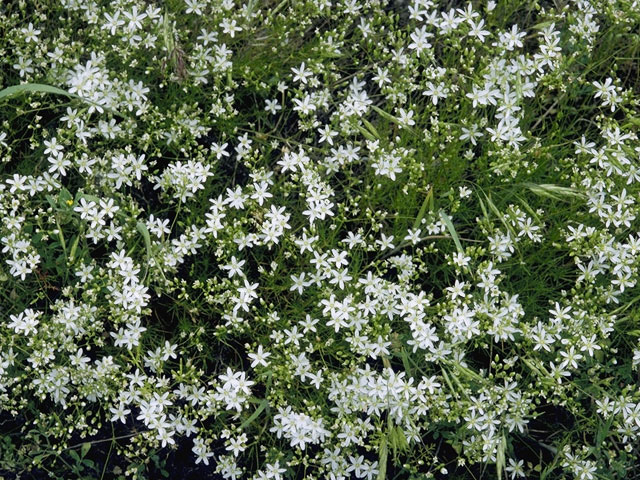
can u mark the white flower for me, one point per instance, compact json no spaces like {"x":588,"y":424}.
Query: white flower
{"x":259,"y":358}
{"x":272,"y":106}
{"x":235,"y":267}
{"x":406,"y":117}
{"x":304,"y":106}
{"x":30,"y":33}
{"x":25,"y":322}
{"x":301,"y":74}
{"x":200,"y":449}
{"x":419,"y":40}
{"x":230,"y":27}
{"x":59,"y":164}
{"x":120,"y":413}
{"x":299,"y":283}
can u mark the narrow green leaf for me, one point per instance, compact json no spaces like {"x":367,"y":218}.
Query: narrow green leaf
{"x":542,"y":25}
{"x":468,"y":372}
{"x":445,"y":375}
{"x":23,"y":88}
{"x":384,"y":114}
{"x":382,"y":459}
{"x":401,"y":439}
{"x":423,"y":209}
{"x":15,"y":90}
{"x":493,"y":208}
{"x":142,"y":228}
{"x":500,"y":456}
{"x":371,"y":128}
{"x":452,"y":231}
{"x":529,"y":209}
{"x":497,"y":213}
{"x":61,"y":238}
{"x":365,"y":133}
{"x":167,"y":34}
{"x":74,"y":246}
{"x":405,"y":360}
{"x":603,"y":431}
{"x":263,"y":404}
{"x":393,"y":119}
{"x":483,"y":208}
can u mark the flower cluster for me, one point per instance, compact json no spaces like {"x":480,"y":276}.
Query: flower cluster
{"x":329,"y":239}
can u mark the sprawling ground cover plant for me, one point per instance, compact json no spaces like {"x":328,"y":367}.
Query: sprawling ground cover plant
{"x":319,"y":239}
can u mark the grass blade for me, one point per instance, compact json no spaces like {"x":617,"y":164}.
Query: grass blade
{"x":142,"y":228}
{"x":15,"y":90}
{"x":263,"y":404}
{"x":447,"y":221}
{"x":428,"y":202}
{"x":500,"y":456}
{"x":382,"y":458}
{"x":23,"y":88}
